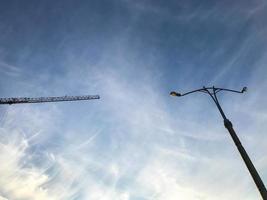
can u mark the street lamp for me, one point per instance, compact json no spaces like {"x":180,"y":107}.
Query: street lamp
{"x":212,"y":91}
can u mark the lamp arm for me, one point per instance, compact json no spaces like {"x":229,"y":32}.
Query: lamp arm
{"x":244,"y":89}
{"x":193,"y":91}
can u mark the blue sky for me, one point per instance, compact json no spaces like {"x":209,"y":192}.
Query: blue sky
{"x":136,"y":142}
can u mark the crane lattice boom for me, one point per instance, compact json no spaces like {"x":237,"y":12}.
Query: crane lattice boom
{"x":47,"y":99}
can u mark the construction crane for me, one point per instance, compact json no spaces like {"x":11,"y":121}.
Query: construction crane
{"x":46,"y":99}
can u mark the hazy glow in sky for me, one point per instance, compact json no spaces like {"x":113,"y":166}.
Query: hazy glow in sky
{"x":136,"y":142}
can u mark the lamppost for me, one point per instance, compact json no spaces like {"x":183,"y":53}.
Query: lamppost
{"x":212,"y":91}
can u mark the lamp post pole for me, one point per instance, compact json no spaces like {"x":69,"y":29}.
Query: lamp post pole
{"x":212,"y":91}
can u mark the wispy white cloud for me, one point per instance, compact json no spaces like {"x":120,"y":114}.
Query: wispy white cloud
{"x":148,"y":151}
{"x":9,"y":69}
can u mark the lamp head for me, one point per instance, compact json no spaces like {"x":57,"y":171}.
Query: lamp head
{"x":175,"y":94}
{"x":244,"y":89}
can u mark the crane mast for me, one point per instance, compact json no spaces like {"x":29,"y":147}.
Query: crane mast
{"x":46,"y":99}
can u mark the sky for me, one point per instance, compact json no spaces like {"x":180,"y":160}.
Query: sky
{"x":136,"y":142}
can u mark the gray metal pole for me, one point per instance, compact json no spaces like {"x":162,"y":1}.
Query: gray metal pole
{"x":252,"y":170}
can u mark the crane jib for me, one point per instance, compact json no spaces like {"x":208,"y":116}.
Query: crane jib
{"x":47,"y":99}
